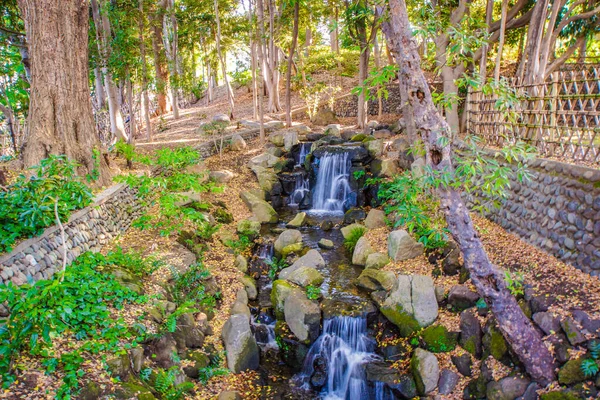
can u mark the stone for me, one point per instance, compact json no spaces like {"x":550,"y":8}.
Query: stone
{"x":262,"y":211}
{"x":382,"y":134}
{"x":277,"y":138}
{"x":279,"y":294}
{"x":267,"y":180}
{"x":403,"y":247}
{"x":437,"y":339}
{"x":418,"y":167}
{"x":311,"y":259}
{"x":303,"y":316}
{"x":305,"y":276}
{"x":507,"y":388}
{"x":250,"y":286}
{"x":440,"y":293}
{"x":426,"y":370}
{"x":375,"y":219}
{"x":286,"y":238}
{"x":298,"y":221}
{"x":347,"y":230}
{"x":583,"y":318}
{"x":137,"y":358}
{"x":463,"y":364}
{"x":186,"y":198}
{"x":571,"y":372}
{"x":333,"y":130}
{"x":573,"y":333}
{"x":198,"y":360}
{"x":376,"y":261}
{"x":249,"y":228}
{"x":493,"y":342}
{"x":447,"y":382}
{"x":372,"y":280}
{"x":230,"y":395}
{"x":119,"y":367}
{"x":361,"y":251}
{"x":221,"y":118}
{"x":547,"y":322}
{"x":187,"y":334}
{"x":471,"y":336}
{"x":264,"y":160}
{"x":222,"y":176}
{"x":389,"y":168}
{"x":324,"y":117}
{"x":461,"y":297}
{"x":326,"y":244}
{"x":374,"y":147}
{"x":242,"y":349}
{"x":326,"y":225}
{"x":237,"y":143}
{"x":290,"y":139}
{"x":353,"y":215}
{"x":411,"y":304}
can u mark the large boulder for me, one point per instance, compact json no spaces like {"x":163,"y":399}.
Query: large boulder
{"x":324,"y":117}
{"x":250,"y":286}
{"x":303,"y":316}
{"x":238,"y":143}
{"x":297,"y":221}
{"x":221,"y":118}
{"x":471,"y":335}
{"x":426,"y":370}
{"x":547,"y":322}
{"x":572,"y":331}
{"x":403,"y":247}
{"x":241,"y":347}
{"x":305,"y":276}
{"x":346,"y":230}
{"x":447,"y":382}
{"x":249,"y":228}
{"x":375,"y":147}
{"x":279,"y":294}
{"x":375,"y":219}
{"x":333,"y":130}
{"x":290,"y":138}
{"x":267,"y":179}
{"x":262,"y":211}
{"x":277,"y":138}
{"x":223,"y":176}
{"x":288,"y":239}
{"x":361,"y":251}
{"x":411,"y":304}
{"x":571,"y":372}
{"x":376,"y":261}
{"x":312,"y":259}
{"x":373,"y":279}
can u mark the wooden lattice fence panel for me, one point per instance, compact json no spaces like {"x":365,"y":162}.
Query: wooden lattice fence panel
{"x":561,"y":117}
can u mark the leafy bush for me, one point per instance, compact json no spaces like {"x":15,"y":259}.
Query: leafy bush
{"x":190,"y":287}
{"x":514,"y":282}
{"x":79,"y":309}
{"x":27,"y":206}
{"x":355,"y":234}
{"x":164,"y":383}
{"x":239,"y":246}
{"x":276,"y":265}
{"x":242,"y":78}
{"x":313,"y":292}
{"x":408,"y":199}
{"x":321,"y":59}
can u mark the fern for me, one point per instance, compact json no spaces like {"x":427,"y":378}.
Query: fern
{"x":589,"y":367}
{"x":355,"y":234}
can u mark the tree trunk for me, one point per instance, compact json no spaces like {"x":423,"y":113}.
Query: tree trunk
{"x":132,"y":123}
{"x":253,"y":63}
{"x":9,"y":116}
{"x":146,"y":100}
{"x":160,"y":70}
{"x":60,"y":110}
{"x":223,"y":66}
{"x":489,"y":10}
{"x":333,"y":33}
{"x":99,"y":86}
{"x":171,"y":44}
{"x":377,"y":55}
{"x":517,"y":329}
{"x":288,"y":72}
{"x":501,"y":40}
{"x":117,"y":126}
{"x":261,"y":63}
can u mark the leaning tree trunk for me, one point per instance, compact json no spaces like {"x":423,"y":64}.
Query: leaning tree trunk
{"x":288,"y":72}
{"x":60,"y":109}
{"x":516,"y":328}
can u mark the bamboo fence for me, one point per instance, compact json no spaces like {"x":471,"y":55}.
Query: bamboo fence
{"x":560,"y":117}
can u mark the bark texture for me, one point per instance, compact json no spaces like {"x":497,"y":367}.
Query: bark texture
{"x":288,"y":72}
{"x":60,"y":111}
{"x":487,"y":278}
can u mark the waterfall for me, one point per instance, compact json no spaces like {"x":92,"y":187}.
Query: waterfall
{"x":265,"y":252}
{"x":333,"y":187}
{"x":305,"y":149}
{"x":300,"y":190}
{"x":342,"y":350}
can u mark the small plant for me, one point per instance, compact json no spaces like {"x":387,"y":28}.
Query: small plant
{"x":313,"y":292}
{"x":127,"y":151}
{"x":162,"y":124}
{"x":590,"y":366}
{"x":355,"y":234}
{"x":359,"y":174}
{"x":514,"y":282}
{"x":216,"y":131}
{"x":190,"y":287}
{"x":239,"y":246}
{"x":164,"y":384}
{"x":276,"y":265}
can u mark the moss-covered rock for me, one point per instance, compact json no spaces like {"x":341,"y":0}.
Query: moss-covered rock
{"x":558,"y":395}
{"x":295,"y":248}
{"x":248,"y":228}
{"x":134,"y":389}
{"x":476,"y":388}
{"x":279,"y":293}
{"x":405,"y":322}
{"x":358,"y":137}
{"x":494,"y":343}
{"x":222,"y":216}
{"x":571,"y":372}
{"x":437,"y":339}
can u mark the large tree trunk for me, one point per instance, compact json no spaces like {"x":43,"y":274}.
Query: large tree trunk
{"x":261,"y":61}
{"x":171,"y":42}
{"x":160,"y":69}
{"x":253,"y":64}
{"x":60,"y":109}
{"x":288,"y":72}
{"x":223,"y":65}
{"x":146,"y":100}
{"x":517,"y":329}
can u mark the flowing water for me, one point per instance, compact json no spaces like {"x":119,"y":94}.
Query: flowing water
{"x":305,"y":149}
{"x":300,"y":190}
{"x":333,"y":183}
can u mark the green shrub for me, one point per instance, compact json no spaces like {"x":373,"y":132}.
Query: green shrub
{"x":164,"y":384}
{"x":239,"y":246}
{"x":242,"y":78}
{"x":276,"y":265}
{"x":27,"y":206}
{"x":190,"y":287}
{"x":313,"y":292}
{"x":355,"y":234}
{"x":79,"y":309}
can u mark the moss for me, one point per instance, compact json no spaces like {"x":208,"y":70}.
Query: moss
{"x":414,"y":368}
{"x":437,"y":339}
{"x":223,"y":216}
{"x":494,"y":344}
{"x":358,"y":137}
{"x":134,"y":389}
{"x":476,"y":389}
{"x":292,"y":248}
{"x":571,"y":372}
{"x":470,"y":346}
{"x":525,"y":307}
{"x":558,"y":396}
{"x":368,"y":139}
{"x":281,"y":289}
{"x":405,"y":322}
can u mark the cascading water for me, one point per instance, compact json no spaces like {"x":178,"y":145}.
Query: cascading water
{"x":343,"y":349}
{"x":305,"y":149}
{"x":300,"y":190}
{"x":333,"y":183}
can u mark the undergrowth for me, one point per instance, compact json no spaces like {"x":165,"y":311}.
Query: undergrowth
{"x":355,"y":234}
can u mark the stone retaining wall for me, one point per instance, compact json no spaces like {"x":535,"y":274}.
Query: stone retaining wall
{"x":558,"y":210}
{"x":88,"y":229}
